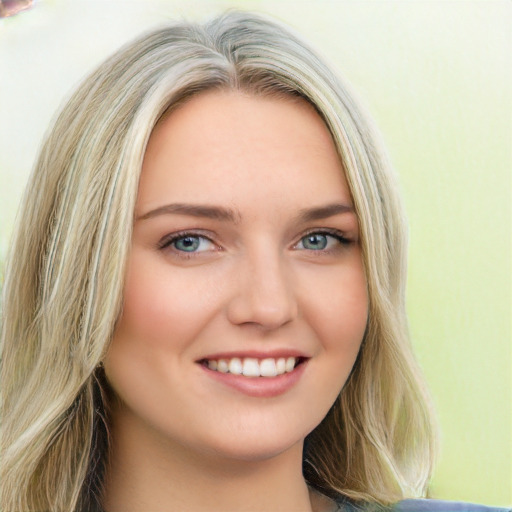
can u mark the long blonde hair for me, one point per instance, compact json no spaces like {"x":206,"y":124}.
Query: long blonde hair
{"x":64,"y":278}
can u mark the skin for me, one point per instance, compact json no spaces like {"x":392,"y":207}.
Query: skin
{"x":182,"y":440}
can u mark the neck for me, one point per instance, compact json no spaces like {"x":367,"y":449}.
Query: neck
{"x":147,"y":473}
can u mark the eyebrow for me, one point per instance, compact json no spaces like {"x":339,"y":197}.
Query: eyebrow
{"x":193,"y":210}
{"x":227,"y":214}
{"x":324,"y":212}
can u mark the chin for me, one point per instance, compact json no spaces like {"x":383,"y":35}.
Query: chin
{"x":258,"y":450}
{"x":260,"y":443}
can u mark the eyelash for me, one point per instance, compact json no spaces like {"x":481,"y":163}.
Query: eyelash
{"x":168,"y":240}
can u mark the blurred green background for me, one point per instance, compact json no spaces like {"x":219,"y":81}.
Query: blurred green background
{"x":437,"y":77}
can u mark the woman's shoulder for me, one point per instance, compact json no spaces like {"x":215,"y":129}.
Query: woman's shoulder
{"x":419,"y":505}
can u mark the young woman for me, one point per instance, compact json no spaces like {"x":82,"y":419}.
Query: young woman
{"x":204,"y":303}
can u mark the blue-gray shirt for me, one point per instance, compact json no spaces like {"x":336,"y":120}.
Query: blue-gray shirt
{"x":418,"y":505}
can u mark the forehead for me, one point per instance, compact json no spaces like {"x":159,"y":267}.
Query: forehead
{"x":231,"y":147}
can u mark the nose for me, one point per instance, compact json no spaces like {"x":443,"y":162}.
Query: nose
{"x":263,"y":294}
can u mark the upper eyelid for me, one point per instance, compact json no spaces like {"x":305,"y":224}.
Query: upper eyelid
{"x":324,"y":231}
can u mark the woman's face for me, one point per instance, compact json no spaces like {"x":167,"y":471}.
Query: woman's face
{"x":245,"y":258}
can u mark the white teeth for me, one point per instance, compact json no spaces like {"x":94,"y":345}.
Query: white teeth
{"x":290,"y":364}
{"x":252,"y":367}
{"x":268,"y":368}
{"x":235,"y":366}
{"x":222,"y":366}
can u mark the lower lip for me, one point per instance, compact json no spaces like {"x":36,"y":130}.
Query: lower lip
{"x":262,"y":387}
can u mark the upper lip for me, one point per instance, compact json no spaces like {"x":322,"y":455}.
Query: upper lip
{"x":256,"y":354}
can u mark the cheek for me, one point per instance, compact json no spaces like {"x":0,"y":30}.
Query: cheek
{"x":162,"y":308}
{"x":338,"y":314}
{"x":163,"y":312}
{"x":338,"y":310}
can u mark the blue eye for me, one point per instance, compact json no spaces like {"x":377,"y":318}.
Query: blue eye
{"x":321,"y":241}
{"x":187,"y":243}
{"x":315,"y":241}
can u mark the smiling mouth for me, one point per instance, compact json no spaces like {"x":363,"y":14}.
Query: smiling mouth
{"x":253,"y":367}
